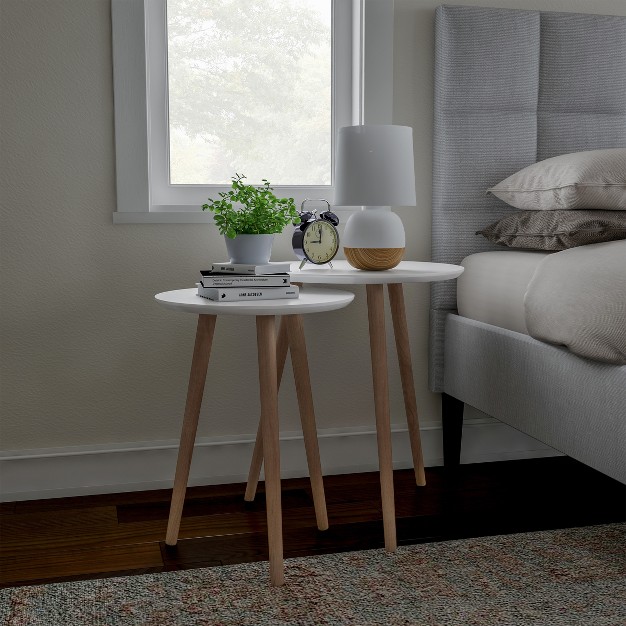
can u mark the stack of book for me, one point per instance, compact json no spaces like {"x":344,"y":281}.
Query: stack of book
{"x":230,"y":282}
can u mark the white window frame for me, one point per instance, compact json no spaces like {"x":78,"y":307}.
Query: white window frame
{"x":362,"y":88}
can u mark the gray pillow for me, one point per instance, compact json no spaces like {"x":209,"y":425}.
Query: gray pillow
{"x":595,"y":179}
{"x":556,"y":230}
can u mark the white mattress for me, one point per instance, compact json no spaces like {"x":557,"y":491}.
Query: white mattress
{"x":493,"y":285}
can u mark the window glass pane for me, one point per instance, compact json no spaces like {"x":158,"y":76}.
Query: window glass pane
{"x":250,"y":91}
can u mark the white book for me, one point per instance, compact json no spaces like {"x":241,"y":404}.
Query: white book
{"x":211,"y":279}
{"x":272,"y":267}
{"x":234,"y":294}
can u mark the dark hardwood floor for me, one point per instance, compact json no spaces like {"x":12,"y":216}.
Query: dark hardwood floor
{"x":122,"y":534}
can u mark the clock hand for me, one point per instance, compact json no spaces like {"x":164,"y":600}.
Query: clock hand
{"x":320,"y":233}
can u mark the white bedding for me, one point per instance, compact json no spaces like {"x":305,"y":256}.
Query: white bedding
{"x":577,"y":299}
{"x":493,"y":285}
{"x":574,"y":298}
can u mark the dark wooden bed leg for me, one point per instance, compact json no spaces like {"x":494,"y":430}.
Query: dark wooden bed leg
{"x":452,"y":425}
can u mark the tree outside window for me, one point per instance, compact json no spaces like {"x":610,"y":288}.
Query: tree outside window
{"x":250,"y":91}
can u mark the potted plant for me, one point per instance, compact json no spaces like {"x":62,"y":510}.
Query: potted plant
{"x":248,"y":217}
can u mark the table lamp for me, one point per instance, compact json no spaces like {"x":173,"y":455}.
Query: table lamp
{"x":374,"y":169}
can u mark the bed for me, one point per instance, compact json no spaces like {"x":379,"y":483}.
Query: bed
{"x":513,"y":88}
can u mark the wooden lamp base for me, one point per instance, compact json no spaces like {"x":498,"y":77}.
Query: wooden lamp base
{"x":374,"y":258}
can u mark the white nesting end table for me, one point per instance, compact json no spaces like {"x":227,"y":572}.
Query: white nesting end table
{"x":292,"y":338}
{"x":406,"y":272}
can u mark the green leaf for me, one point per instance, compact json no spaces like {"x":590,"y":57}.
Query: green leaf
{"x":259,"y":210}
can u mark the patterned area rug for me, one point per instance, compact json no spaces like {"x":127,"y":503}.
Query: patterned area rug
{"x":562,"y":577}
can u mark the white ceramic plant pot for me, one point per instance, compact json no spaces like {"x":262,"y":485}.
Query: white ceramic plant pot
{"x":253,"y":249}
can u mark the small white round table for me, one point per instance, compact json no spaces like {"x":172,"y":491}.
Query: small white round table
{"x":406,"y":272}
{"x":291,"y":337}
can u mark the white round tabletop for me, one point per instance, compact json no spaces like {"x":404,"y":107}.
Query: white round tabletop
{"x":342,"y":273}
{"x":310,"y":301}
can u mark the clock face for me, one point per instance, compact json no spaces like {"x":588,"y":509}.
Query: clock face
{"x":320,"y":242}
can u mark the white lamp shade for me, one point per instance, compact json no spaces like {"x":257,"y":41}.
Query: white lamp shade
{"x":374,"y":166}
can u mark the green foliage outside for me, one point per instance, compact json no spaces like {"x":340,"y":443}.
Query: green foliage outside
{"x":261,"y":212}
{"x":249,"y":90}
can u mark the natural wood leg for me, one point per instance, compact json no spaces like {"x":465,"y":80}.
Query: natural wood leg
{"x":282,"y":345}
{"x":266,"y":344}
{"x":378,"y":348}
{"x":255,"y":465}
{"x":401,"y":333}
{"x":197,"y":377}
{"x":299,"y":361}
{"x":452,"y":426}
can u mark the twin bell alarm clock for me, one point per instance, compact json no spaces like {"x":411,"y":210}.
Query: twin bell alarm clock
{"x":315,"y":239}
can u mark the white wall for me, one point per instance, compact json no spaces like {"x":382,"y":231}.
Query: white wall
{"x":87,"y":357}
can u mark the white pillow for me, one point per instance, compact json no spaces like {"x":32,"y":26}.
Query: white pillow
{"x":595,"y":179}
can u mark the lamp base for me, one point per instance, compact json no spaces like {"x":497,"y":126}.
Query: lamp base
{"x":374,"y":258}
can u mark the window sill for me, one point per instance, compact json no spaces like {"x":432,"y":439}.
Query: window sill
{"x":188,"y":217}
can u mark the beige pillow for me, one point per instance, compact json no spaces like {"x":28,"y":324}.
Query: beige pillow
{"x":595,"y":179}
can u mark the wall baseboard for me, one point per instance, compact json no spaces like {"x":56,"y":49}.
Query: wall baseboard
{"x":88,"y":470}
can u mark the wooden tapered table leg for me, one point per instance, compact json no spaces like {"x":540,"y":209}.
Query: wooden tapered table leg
{"x":282,"y":345}
{"x":255,"y":465}
{"x":299,"y":361}
{"x":295,"y":341}
{"x":197,"y":377}
{"x":266,"y":344}
{"x":401,"y":333}
{"x":378,"y":348}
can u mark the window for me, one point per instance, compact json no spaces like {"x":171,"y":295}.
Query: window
{"x":207,"y":88}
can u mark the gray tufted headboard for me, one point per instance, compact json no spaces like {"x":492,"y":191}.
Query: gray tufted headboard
{"x":512,"y":88}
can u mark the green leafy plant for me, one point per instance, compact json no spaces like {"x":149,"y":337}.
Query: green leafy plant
{"x":260,"y":211}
